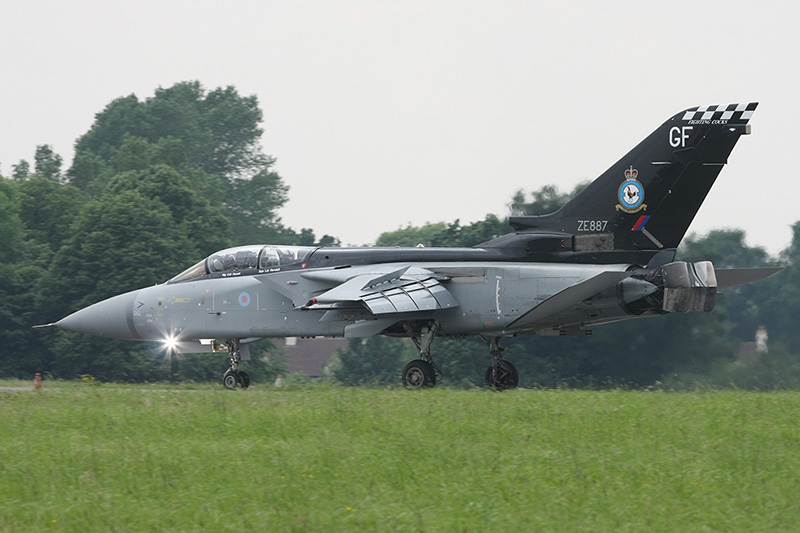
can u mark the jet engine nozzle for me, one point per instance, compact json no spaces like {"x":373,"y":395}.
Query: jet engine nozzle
{"x":689,"y":287}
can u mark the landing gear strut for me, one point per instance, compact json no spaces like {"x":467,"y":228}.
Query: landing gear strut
{"x":234,"y":378}
{"x":501,"y":374}
{"x":422,"y":372}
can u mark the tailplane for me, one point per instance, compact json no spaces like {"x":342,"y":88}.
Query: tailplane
{"x":647,"y":200}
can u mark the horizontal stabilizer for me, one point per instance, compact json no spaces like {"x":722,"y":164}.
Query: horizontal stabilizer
{"x":569,"y":297}
{"x":733,"y":277}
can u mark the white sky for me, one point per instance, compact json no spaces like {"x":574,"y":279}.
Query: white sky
{"x":387,"y":113}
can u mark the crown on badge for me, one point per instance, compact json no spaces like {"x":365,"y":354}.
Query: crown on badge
{"x":631,"y":173}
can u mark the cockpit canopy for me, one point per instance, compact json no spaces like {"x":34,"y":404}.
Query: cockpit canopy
{"x":245,"y":260}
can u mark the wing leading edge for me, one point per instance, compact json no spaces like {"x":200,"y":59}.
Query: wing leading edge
{"x":405,"y":290}
{"x":402,"y":295}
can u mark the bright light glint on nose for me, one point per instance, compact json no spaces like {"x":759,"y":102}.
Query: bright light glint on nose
{"x":170,"y":343}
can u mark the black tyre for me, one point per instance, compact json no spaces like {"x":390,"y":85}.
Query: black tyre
{"x":231,"y":380}
{"x":245,"y":377}
{"x":507,"y":377}
{"x":419,"y":374}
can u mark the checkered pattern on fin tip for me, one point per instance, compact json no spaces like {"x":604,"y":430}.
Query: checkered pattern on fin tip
{"x":729,"y":112}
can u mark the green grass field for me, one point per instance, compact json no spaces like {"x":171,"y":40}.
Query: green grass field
{"x":76,"y":457}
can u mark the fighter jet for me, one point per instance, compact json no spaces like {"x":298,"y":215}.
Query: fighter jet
{"x":605,"y":256}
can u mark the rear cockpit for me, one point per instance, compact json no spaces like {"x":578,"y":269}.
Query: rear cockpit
{"x":245,"y":260}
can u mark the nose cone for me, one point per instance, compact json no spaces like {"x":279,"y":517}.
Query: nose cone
{"x":111,"y":318}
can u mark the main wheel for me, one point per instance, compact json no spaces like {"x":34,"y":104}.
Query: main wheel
{"x":231,"y":379}
{"x":507,"y":377}
{"x":245,"y":379}
{"x":418,"y":374}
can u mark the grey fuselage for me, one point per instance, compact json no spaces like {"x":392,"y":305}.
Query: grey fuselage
{"x":490,"y":298}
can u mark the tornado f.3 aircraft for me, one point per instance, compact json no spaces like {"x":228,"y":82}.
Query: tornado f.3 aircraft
{"x":607,"y":255}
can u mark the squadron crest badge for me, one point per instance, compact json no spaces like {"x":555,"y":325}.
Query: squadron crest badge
{"x":631,"y":193}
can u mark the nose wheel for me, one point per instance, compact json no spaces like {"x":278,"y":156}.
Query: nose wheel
{"x":234,"y":378}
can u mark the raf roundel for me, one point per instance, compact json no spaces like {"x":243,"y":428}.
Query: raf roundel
{"x":244,"y":299}
{"x":631,"y":193}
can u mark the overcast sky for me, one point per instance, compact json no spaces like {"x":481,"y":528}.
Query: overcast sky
{"x":382,"y":114}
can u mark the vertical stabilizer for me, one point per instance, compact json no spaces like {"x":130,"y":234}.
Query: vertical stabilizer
{"x":648,"y":199}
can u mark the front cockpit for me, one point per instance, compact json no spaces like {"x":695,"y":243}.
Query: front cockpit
{"x":246,"y":260}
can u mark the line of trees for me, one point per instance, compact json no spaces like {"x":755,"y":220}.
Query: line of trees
{"x":156,"y":184}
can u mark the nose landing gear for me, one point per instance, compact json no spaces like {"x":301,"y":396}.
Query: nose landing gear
{"x":234,"y":378}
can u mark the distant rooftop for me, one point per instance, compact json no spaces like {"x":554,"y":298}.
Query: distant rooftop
{"x":309,"y":355}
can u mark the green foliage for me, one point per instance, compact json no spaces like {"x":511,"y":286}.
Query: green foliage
{"x":306,"y":237}
{"x":779,"y":303}
{"x":106,"y":359}
{"x":373,"y":360}
{"x":18,"y":343}
{"x":253,"y":204}
{"x":88,"y":171}
{"x":411,"y":235}
{"x":442,"y":234}
{"x":20,"y":346}
{"x":11,"y":227}
{"x":210,"y":137}
{"x":726,"y":248}
{"x":621,"y":354}
{"x":94,"y":458}
{"x":471,"y":235}
{"x":48,"y":163}
{"x":544,"y":201}
{"x":123,"y":116}
{"x":219,"y":129}
{"x":196,"y":217}
{"x":463,"y":361}
{"x":47,"y":209}
{"x":119,"y":241}
{"x":20,"y":171}
{"x":771,"y":371}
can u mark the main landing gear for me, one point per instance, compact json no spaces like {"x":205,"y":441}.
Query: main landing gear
{"x":234,"y":378}
{"x":501,"y":374}
{"x":423,"y":373}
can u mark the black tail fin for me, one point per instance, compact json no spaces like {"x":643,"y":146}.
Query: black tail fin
{"x":647,"y":199}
